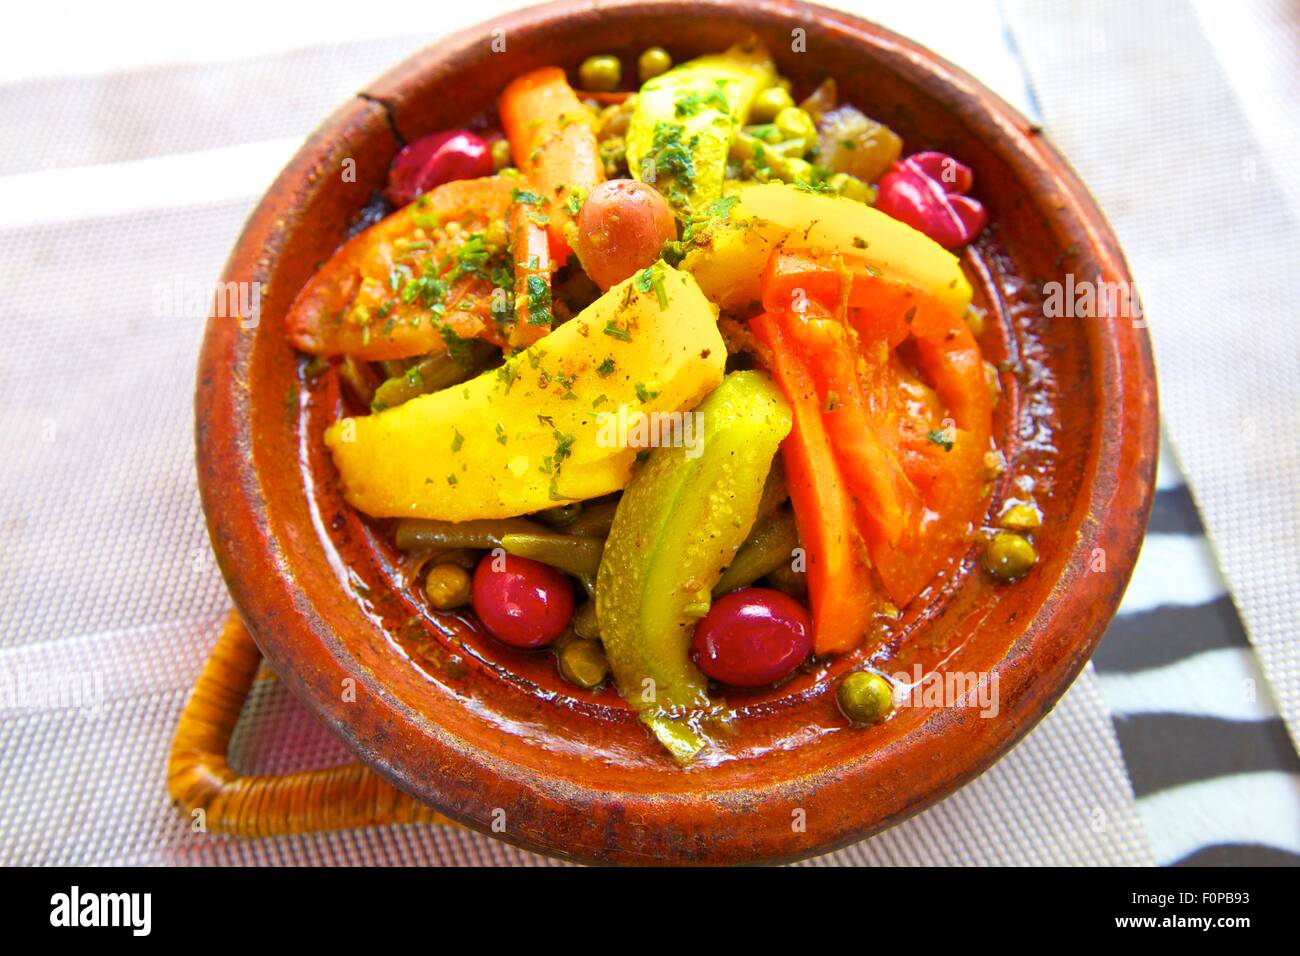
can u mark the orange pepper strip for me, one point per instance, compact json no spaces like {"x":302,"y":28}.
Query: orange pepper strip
{"x":839,"y":577}
{"x":350,"y":306}
{"x":532,"y":258}
{"x":553,"y":144}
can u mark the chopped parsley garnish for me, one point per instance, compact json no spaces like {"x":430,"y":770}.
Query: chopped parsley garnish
{"x":817,"y":187}
{"x":644,"y":394}
{"x":673,"y":158}
{"x":688,"y":104}
{"x":526,"y":196}
{"x":616,"y":331}
{"x":563,"y":447}
{"x":721,"y":207}
{"x":427,"y":290}
{"x":457,"y":440}
{"x":459,"y":348}
{"x":539,"y":301}
{"x":508,"y":373}
{"x":606,"y":368}
{"x":941,"y":438}
{"x":652,"y":278}
{"x":501,"y":433}
{"x":573,"y":205}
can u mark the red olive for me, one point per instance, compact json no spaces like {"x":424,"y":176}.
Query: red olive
{"x":437,"y":159}
{"x":752,"y":637}
{"x":622,"y":226}
{"x":928,"y":192}
{"x":522,"y":602}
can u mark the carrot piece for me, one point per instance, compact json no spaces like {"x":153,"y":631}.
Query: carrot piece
{"x":394,"y":290}
{"x":554,"y":145}
{"x":839,"y":577}
{"x":532,"y":258}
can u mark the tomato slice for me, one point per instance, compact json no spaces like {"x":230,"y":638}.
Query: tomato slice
{"x":416,"y":282}
{"x":910,"y":443}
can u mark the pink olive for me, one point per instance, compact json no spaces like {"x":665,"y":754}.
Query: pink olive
{"x":928,"y":192}
{"x":622,"y":226}
{"x":437,"y":159}
{"x":521,"y":602}
{"x":752,"y":637}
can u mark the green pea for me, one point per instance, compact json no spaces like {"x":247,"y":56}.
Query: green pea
{"x":768,"y":104}
{"x":850,"y":186}
{"x":865,"y":698}
{"x":500,"y":154}
{"x":582,"y":662}
{"x":448,"y":586}
{"x":585,"y":622}
{"x":653,"y":62}
{"x":1021,"y":517}
{"x":600,"y":74}
{"x":1009,"y":556}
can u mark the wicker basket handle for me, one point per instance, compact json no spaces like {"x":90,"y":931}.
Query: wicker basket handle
{"x":199,"y":776}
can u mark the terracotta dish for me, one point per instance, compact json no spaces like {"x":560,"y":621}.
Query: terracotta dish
{"x":474,"y":731}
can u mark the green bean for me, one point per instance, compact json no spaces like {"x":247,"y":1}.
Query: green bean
{"x":775,"y":492}
{"x":585,"y":623}
{"x":465,"y":557}
{"x":767,"y":548}
{"x":559,"y":516}
{"x":392,"y":367}
{"x":789,"y":581}
{"x":359,"y":379}
{"x":570,"y":553}
{"x":416,"y":533}
{"x":595,"y":520}
{"x":431,"y":374}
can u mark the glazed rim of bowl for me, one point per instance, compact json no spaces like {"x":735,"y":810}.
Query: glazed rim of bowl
{"x":583,"y":819}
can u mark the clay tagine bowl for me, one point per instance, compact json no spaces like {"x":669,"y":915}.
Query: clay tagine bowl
{"x":474,"y":729}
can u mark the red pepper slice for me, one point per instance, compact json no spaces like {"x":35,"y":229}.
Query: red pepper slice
{"x":839,"y":576}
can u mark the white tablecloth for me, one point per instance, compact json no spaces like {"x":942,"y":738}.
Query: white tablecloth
{"x":135,"y":147}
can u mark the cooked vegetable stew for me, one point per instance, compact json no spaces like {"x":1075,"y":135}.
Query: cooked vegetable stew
{"x":679,"y":384}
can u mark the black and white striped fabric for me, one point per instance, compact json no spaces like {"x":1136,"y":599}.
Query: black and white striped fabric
{"x":1216,"y":777}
